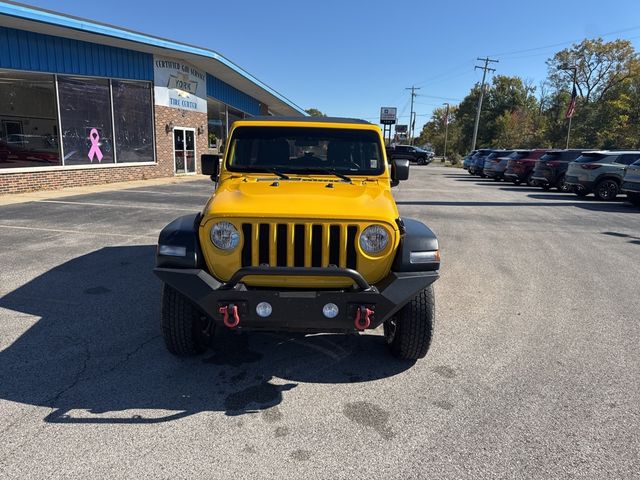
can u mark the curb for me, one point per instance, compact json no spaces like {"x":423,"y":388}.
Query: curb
{"x":11,"y":199}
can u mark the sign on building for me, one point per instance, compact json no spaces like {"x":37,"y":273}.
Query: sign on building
{"x":388,"y":115}
{"x":178,"y":84}
{"x":402,"y":128}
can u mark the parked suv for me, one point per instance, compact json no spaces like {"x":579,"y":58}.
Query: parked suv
{"x":411,"y":153}
{"x":600,"y":172}
{"x":302,"y":234}
{"x":468,"y":159}
{"x":550,"y":169}
{"x":477,"y":163}
{"x":521,"y":169}
{"x":496,"y":164}
{"x":631,"y":183}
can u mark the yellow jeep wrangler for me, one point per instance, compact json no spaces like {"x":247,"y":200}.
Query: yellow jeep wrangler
{"x":301,"y":234}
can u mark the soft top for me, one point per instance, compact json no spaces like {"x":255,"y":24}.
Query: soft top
{"x":272,"y":118}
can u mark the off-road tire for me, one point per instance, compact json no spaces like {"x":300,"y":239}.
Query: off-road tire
{"x":409,"y":335}
{"x":183,"y":324}
{"x":606,"y":190}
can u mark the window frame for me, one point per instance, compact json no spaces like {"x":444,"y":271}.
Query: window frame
{"x":62,"y":165}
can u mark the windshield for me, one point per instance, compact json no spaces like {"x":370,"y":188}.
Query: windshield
{"x":595,"y":157}
{"x":305,"y":150}
{"x":518,"y":155}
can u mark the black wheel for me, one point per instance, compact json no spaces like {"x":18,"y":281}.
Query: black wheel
{"x":421,"y":161}
{"x":530,"y":180}
{"x":546,"y":187}
{"x":496,"y":179}
{"x":517,"y":182}
{"x":634,"y":198}
{"x":408,"y":333}
{"x":184,"y":327}
{"x":606,"y":190}
{"x":562,"y":185}
{"x":581,"y":192}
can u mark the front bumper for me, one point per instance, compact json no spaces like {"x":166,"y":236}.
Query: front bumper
{"x":298,"y":310}
{"x":630,"y":187}
{"x":511,"y":176}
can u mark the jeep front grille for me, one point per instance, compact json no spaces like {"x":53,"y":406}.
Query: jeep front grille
{"x":299,"y":245}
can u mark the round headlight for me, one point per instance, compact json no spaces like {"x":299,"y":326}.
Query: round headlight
{"x":374,"y":239}
{"x":225,"y":236}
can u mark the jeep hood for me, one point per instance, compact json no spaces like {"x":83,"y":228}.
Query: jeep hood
{"x":303,"y":198}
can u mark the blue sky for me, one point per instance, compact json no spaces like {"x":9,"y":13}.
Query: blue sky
{"x":349,"y":58}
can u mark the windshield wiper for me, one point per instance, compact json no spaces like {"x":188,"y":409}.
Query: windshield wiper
{"x":268,"y":170}
{"x":328,"y":171}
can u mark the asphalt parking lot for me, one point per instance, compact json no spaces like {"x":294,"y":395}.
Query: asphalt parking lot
{"x":533,"y":372}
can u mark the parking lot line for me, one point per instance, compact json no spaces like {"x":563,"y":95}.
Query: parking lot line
{"x":117,"y":205}
{"x":58,"y":230}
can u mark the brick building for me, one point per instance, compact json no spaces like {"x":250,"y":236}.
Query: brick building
{"x":83,"y":103}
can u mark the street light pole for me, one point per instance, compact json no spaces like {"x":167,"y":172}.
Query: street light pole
{"x":446,"y":131}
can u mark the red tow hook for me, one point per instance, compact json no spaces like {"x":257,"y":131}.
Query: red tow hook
{"x":233,"y":320}
{"x":363,"y":318}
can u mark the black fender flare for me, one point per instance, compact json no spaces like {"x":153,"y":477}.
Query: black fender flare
{"x":417,"y":237}
{"x":182,"y":232}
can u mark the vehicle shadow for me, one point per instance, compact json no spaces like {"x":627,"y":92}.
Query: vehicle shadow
{"x":96,"y":355}
{"x":630,"y":238}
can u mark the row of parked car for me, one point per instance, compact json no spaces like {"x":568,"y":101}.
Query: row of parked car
{"x":605,"y":173}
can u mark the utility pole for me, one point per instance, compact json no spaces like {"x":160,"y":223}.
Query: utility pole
{"x":486,"y":68}
{"x":572,"y":105}
{"x":446,"y":131}
{"x":411,"y":119}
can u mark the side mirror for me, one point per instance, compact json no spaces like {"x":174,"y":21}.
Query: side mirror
{"x":399,"y":169}
{"x":210,"y":165}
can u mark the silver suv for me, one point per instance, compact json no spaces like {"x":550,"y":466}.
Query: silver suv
{"x":599,"y":172}
{"x":631,"y":183}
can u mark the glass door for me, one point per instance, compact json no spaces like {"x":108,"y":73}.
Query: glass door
{"x":184,"y":150}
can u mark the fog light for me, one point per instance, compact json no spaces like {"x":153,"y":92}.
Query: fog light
{"x":263,"y":309}
{"x":330,"y":310}
{"x":424,"y":257}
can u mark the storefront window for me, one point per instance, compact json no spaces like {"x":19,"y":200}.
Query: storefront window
{"x":28,"y":121}
{"x":217,"y":124}
{"x":133,"y":118}
{"x":85,"y":110}
{"x":234,"y":115}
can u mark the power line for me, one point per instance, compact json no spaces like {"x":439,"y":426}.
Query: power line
{"x":504,"y":54}
{"x":484,"y":69}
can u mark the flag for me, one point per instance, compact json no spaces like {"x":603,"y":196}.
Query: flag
{"x":572,"y":104}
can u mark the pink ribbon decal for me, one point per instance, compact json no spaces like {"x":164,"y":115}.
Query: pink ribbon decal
{"x":94,"y":136}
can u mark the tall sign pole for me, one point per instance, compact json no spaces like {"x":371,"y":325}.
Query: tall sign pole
{"x":388,"y":116}
{"x":411,"y":119}
{"x":484,"y":69}
{"x":446,"y":130}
